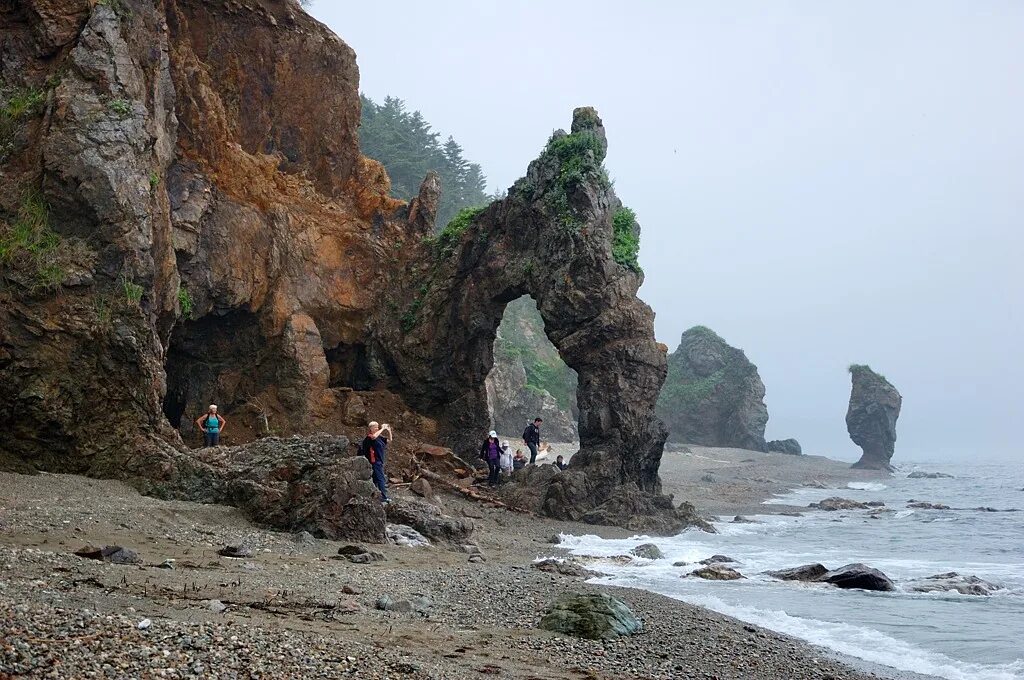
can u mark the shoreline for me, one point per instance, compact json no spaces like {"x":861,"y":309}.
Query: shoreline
{"x":289,"y":604}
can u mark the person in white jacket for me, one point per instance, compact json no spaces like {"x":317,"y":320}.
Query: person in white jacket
{"x":505,"y":459}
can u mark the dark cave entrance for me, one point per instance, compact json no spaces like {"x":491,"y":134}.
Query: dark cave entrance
{"x":350,"y":367}
{"x":530,"y":379}
{"x":216,"y":359}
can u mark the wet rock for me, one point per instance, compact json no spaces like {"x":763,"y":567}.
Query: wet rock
{"x":920,"y":474}
{"x":807,"y":572}
{"x":428,"y":521}
{"x":400,"y":534}
{"x":875,"y":504}
{"x":716,"y":572}
{"x":964,"y":584}
{"x":925,"y":505}
{"x":789,"y":446}
{"x":637,"y":511}
{"x":564,"y":567}
{"x":713,"y":395}
{"x":717,"y":559}
{"x":835,"y":503}
{"x":871,"y":418}
{"x":648,"y":551}
{"x":590,"y":616}
{"x":237,"y":551}
{"x":858,"y":576}
{"x":114,"y":554}
{"x":740,"y":519}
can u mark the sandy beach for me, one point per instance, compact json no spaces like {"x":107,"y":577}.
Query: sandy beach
{"x":295,"y":609}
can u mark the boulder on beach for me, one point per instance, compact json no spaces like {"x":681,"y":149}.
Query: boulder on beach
{"x":713,"y":395}
{"x":806,"y":572}
{"x":716,"y":572}
{"x":564,"y":567}
{"x":871,"y":417}
{"x":591,"y":616}
{"x":114,"y":554}
{"x":430,"y":522}
{"x":790,"y":446}
{"x":952,"y":582}
{"x":836,"y":503}
{"x":920,"y":474}
{"x":859,"y":576}
{"x":648,"y":551}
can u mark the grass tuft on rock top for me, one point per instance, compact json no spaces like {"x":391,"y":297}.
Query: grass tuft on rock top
{"x":579,"y":158}
{"x":453,"y":231}
{"x":625,"y":239}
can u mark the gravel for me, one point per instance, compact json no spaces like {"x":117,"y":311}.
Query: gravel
{"x":294,"y":609}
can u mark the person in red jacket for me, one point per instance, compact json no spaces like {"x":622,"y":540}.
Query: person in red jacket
{"x":375,"y":448}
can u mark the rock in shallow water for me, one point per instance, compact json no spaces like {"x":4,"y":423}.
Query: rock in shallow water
{"x":806,"y":572}
{"x":952,"y":582}
{"x":859,"y":576}
{"x":920,"y":474}
{"x":837,"y":503}
{"x":590,"y":616}
{"x":716,"y":572}
{"x":717,"y":559}
{"x":648,"y":551}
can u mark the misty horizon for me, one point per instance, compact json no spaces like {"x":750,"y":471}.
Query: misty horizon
{"x":817,"y":186}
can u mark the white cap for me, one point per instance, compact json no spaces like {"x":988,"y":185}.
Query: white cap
{"x":505,"y":443}
{"x":492,"y":433}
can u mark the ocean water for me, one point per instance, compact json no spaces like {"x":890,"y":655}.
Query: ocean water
{"x":945,"y":635}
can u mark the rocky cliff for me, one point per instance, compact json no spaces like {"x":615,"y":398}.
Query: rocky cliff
{"x":871,"y":418}
{"x":187,"y":219}
{"x":713,"y":395}
{"x":527,"y":375}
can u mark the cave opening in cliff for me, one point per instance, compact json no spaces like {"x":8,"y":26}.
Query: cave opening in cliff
{"x":350,"y":367}
{"x":529,"y":379}
{"x":216,"y":359}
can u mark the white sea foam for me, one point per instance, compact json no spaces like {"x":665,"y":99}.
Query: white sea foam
{"x":865,"y":643}
{"x":866,"y":486}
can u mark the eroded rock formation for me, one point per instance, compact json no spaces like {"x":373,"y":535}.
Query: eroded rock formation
{"x":790,"y":446}
{"x":197,"y":225}
{"x":713,"y":395}
{"x":871,"y":418}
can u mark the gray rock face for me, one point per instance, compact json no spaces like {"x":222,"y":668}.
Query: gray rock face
{"x":871,"y":418}
{"x":790,"y":446}
{"x":713,"y":395}
{"x":648,"y":551}
{"x":590,"y":616}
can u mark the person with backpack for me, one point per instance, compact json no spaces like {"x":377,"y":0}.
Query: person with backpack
{"x":490,"y":451}
{"x":212,"y":426}
{"x":531,"y":437}
{"x":374,"y":448}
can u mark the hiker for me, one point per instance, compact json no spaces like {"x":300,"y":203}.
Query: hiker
{"x":519,"y":460}
{"x":559,"y":464}
{"x":212,"y":425}
{"x":374,"y":448}
{"x":505,"y":462}
{"x":490,"y":451}
{"x":531,"y":437}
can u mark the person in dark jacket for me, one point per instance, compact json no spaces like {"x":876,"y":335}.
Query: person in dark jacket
{"x":531,"y":437}
{"x":559,"y":464}
{"x":490,"y":451}
{"x":518,"y":460}
{"x":374,"y":448}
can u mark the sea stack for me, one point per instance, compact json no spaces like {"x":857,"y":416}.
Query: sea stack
{"x":713,"y":395}
{"x":871,"y":419}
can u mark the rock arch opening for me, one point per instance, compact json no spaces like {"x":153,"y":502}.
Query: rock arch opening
{"x":529,"y":378}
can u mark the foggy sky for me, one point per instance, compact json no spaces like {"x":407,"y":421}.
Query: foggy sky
{"x":821,"y":183}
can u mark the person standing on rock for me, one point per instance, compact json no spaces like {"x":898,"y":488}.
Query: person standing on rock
{"x":490,"y":451}
{"x":531,"y":437}
{"x":212,"y":425}
{"x":374,"y":449}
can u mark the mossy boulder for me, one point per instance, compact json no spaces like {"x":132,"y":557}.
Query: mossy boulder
{"x":713,"y":395}
{"x":590,"y":616}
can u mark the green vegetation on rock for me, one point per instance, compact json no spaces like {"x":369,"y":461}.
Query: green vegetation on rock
{"x":30,"y":247}
{"x":18,"y":106}
{"x":185,"y":302}
{"x":453,"y":231}
{"x":579,"y":157}
{"x":625,"y":239}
